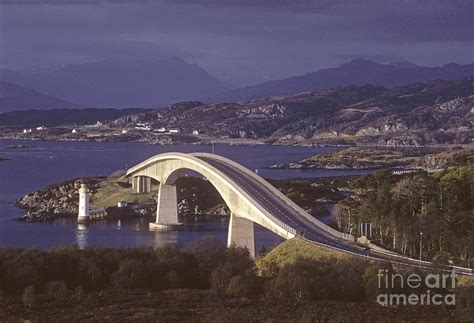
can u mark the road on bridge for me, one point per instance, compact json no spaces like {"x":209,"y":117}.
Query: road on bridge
{"x":279,"y":208}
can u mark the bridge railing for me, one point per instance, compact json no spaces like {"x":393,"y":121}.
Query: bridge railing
{"x":412,"y":263}
{"x":327,"y":228}
{"x":397,"y":259}
{"x":282,"y":224}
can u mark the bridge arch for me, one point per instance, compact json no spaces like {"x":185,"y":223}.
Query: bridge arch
{"x":251,"y":200}
{"x":245,"y":210}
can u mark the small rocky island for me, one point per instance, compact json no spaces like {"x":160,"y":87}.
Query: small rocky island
{"x":20,"y":146}
{"x":382,"y":157}
{"x":61,"y":200}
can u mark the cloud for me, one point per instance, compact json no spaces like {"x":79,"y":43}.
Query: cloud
{"x":321,"y":6}
{"x":286,"y":4}
{"x":253,"y":39}
{"x":67,"y":2}
{"x":306,"y":20}
{"x":125,"y":49}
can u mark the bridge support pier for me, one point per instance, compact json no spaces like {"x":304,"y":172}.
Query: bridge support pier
{"x":141,"y":184}
{"x":241,"y":233}
{"x":166,"y":209}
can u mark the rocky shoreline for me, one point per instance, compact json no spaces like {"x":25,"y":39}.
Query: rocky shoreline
{"x":154,"y":140}
{"x":381,"y":157}
{"x":54,"y":201}
{"x":196,"y":198}
{"x":61,"y":200}
{"x":172,"y":139}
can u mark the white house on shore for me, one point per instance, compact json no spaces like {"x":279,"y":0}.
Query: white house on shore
{"x":122,"y":204}
{"x":145,"y":128}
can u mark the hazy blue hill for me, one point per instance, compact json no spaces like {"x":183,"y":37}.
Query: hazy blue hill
{"x":114,"y":83}
{"x":16,"y":97}
{"x":406,"y":64}
{"x":355,"y":72}
{"x":29,"y":118}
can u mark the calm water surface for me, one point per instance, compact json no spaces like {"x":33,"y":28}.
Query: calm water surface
{"x":47,"y":163}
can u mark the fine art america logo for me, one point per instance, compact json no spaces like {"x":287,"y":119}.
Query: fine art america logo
{"x":414,"y":289}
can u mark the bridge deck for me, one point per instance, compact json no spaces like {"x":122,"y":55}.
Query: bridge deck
{"x":279,"y":208}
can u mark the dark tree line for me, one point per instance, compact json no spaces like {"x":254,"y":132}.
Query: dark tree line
{"x":433,"y":212}
{"x":203,"y":264}
{"x":97,"y":268}
{"x":206,"y":264}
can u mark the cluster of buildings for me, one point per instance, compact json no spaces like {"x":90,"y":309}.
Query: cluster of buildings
{"x":145,"y":126}
{"x":140,"y":126}
{"x":40,"y":128}
{"x":98,"y":124}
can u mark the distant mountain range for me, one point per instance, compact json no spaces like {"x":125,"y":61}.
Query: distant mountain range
{"x":356,"y":72}
{"x":14,"y":97}
{"x":121,"y":84}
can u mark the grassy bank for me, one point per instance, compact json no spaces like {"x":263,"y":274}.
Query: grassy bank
{"x":294,"y":249}
{"x":112,"y":190}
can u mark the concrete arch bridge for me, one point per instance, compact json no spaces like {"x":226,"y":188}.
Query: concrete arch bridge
{"x":250,"y":199}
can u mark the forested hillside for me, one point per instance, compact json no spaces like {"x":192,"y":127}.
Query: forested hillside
{"x":431,"y":211}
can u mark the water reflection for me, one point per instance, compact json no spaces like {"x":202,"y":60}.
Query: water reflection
{"x":135,"y":233}
{"x":81,"y":236}
{"x":164,"y":238}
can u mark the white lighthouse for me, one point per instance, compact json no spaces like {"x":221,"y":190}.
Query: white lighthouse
{"x":84,"y":196}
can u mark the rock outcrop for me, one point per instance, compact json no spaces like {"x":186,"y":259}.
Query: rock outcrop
{"x":195,"y":198}
{"x":54,"y":201}
{"x":379,"y":157}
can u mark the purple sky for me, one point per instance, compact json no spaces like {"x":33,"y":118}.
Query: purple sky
{"x":239,"y":41}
